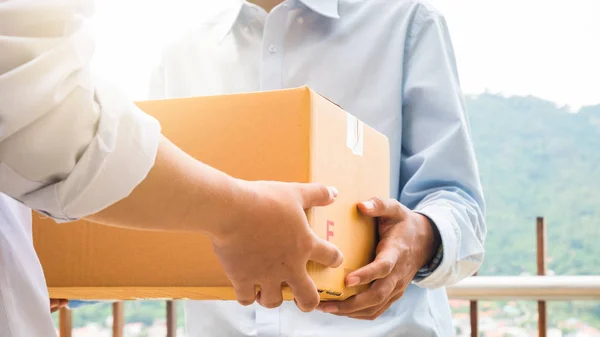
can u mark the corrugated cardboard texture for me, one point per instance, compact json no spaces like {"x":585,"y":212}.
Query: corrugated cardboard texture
{"x":287,"y":135}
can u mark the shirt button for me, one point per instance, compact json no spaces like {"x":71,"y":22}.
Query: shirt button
{"x":300,"y":20}
{"x":246,"y":29}
{"x":272,"y":48}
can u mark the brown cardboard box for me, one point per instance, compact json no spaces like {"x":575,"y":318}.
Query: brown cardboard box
{"x":286,"y":135}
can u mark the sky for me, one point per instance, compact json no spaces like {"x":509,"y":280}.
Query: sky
{"x":545,"y":48}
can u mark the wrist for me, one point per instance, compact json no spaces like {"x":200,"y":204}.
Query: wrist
{"x":237,"y":204}
{"x":218,"y":209}
{"x":179,"y":194}
{"x":429,"y":239}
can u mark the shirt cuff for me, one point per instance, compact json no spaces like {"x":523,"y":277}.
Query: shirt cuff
{"x":117,"y":159}
{"x":435,"y":262}
{"x":440,"y":215}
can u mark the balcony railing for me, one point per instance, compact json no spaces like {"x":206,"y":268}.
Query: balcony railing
{"x":540,"y":288}
{"x":536,"y":288}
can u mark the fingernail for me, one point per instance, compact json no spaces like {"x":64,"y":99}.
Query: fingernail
{"x":369,"y":205}
{"x":352,"y":281}
{"x":330,"y":308}
{"x":333,"y":192}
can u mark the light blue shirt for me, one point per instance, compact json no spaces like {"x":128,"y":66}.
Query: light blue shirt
{"x":391,"y":64}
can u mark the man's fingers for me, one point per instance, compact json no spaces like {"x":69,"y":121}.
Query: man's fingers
{"x":53,"y":305}
{"x":270,"y":295}
{"x":374,"y":312}
{"x":305,"y":292}
{"x":245,"y":293}
{"x":381,"y":267}
{"x":326,"y":253}
{"x":315,"y":194}
{"x":376,"y":207}
{"x":378,"y":294}
{"x":57,"y":304}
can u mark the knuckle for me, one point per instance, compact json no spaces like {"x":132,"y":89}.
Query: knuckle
{"x":387,"y":266}
{"x":401,"y":250}
{"x":303,"y":308}
{"x":336,"y":256}
{"x":397,"y":207}
{"x":245,"y":302}
{"x":313,"y":303}
{"x":372,"y":317}
{"x":322,"y":190}
{"x":309,"y":304}
{"x":306,"y":243}
{"x":380,"y":295}
{"x":378,"y":202}
{"x":372,"y":312}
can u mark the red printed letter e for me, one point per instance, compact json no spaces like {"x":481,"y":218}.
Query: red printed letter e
{"x":329,"y":230}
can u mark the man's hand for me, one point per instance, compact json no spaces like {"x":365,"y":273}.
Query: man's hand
{"x":57,"y":304}
{"x":407,"y":243}
{"x":268,"y":242}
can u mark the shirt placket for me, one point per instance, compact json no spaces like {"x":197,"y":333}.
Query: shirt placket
{"x":268,"y":320}
{"x":272,"y":48}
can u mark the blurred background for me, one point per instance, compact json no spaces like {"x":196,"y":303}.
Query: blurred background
{"x":531,"y":75}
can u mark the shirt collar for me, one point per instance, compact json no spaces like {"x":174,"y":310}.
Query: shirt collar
{"x":225,"y":19}
{"x":328,"y":8}
{"x":222,"y":22}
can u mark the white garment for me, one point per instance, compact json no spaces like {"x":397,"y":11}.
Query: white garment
{"x":69,"y":146}
{"x":389,"y":62}
{"x":24,"y":303}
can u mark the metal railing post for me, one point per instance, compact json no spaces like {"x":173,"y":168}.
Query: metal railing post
{"x":171,"y":319}
{"x":474,"y":310}
{"x":118,"y":319}
{"x":541,"y":270}
{"x":65,"y":322}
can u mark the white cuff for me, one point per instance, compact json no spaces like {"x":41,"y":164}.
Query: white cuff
{"x":440,"y":213}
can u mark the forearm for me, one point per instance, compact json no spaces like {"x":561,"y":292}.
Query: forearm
{"x":179,"y":194}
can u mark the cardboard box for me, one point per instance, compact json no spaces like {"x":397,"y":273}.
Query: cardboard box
{"x":290,"y":135}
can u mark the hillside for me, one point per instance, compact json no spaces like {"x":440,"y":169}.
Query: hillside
{"x":537,"y":159}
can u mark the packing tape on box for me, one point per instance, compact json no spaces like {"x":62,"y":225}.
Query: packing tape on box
{"x":354,"y":134}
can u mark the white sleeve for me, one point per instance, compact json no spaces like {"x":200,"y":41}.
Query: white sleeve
{"x":69,"y":145}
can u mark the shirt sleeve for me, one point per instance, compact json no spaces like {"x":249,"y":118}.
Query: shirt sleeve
{"x":70,"y":145}
{"x":439,"y":175}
